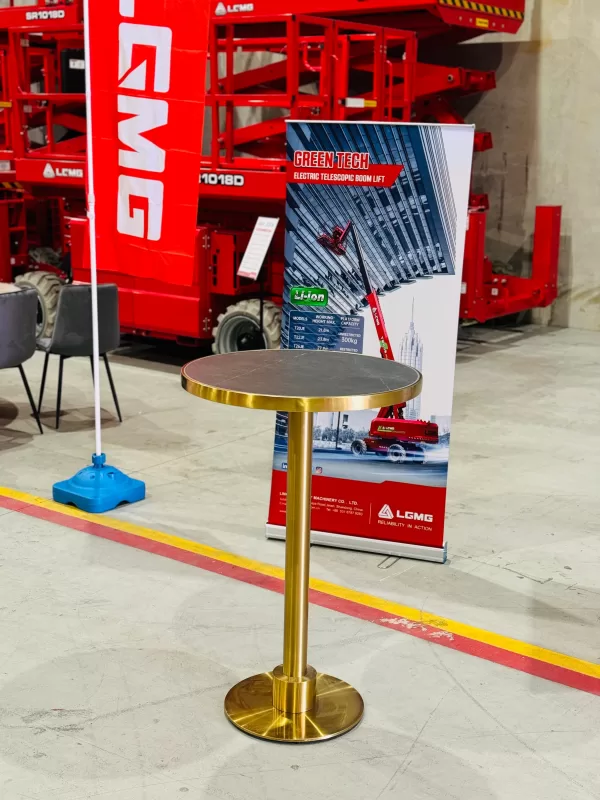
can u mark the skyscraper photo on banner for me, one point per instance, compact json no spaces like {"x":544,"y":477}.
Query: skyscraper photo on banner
{"x":375,"y":230}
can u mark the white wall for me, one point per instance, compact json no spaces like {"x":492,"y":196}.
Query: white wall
{"x":545,"y":120}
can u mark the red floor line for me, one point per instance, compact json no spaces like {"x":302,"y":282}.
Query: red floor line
{"x":14,"y":505}
{"x":497,"y":655}
{"x":453,"y":641}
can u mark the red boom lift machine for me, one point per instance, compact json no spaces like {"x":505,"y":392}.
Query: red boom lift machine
{"x":358,"y":59}
{"x":390,"y":433}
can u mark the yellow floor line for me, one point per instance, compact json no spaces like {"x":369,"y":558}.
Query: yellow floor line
{"x":372,"y":601}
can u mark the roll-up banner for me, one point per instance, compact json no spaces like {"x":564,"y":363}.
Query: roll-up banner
{"x":147,"y":65}
{"x":375,"y":232}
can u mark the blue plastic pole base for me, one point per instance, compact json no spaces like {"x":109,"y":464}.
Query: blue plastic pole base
{"x":99,"y":488}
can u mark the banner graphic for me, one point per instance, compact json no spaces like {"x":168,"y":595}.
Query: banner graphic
{"x":375,"y":230}
{"x":147,"y":131}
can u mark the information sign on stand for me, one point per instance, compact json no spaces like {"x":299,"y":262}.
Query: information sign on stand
{"x":257,"y":248}
{"x":375,"y":234}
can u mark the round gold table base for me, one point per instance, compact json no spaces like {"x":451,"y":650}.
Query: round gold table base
{"x":337,"y":709}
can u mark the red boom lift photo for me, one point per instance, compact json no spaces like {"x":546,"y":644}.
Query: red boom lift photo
{"x":390,"y":433}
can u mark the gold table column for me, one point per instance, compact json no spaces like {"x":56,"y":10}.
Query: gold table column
{"x":293,"y":702}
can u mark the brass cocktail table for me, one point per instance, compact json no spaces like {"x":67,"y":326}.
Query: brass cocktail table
{"x":294,"y":703}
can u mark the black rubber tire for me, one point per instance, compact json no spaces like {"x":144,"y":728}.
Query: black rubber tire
{"x":358,"y":447}
{"x":418,"y":455}
{"x":47,"y":285}
{"x":241,"y":322}
{"x":396,"y":453}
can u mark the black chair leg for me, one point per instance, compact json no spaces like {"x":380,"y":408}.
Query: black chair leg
{"x":92,"y":367}
{"x":30,"y":396}
{"x":112,"y":386}
{"x":59,"y":392}
{"x":43,"y":386}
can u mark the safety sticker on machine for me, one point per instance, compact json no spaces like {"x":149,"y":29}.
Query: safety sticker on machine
{"x":484,"y":8}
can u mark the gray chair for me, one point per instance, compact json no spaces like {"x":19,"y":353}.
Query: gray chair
{"x":18,"y":316}
{"x":72,"y":335}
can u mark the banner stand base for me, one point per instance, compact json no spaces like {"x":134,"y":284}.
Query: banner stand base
{"x":384,"y":548}
{"x":98,"y":488}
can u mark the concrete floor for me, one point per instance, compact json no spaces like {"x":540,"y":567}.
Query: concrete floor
{"x":114,"y":662}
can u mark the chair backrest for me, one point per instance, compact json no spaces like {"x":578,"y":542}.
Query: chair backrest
{"x":72,"y":334}
{"x":18,"y":315}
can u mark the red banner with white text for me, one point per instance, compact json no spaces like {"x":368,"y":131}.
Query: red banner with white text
{"x":147,"y":69}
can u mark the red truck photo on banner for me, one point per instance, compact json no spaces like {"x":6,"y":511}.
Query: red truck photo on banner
{"x":375,"y":232}
{"x":147,"y":64}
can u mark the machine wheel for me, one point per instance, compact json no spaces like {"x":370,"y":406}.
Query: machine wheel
{"x":239,"y":327}
{"x":419,"y":455}
{"x":396,"y":453}
{"x":358,"y":447}
{"x":47,"y":285}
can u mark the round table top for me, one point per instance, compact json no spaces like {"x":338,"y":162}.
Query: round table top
{"x":301,"y":380}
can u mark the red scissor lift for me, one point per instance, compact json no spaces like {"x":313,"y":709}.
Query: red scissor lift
{"x":358,"y":59}
{"x":42,"y":143}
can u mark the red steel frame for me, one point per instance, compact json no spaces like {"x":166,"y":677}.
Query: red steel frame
{"x":39,"y":103}
{"x":357,"y":60}
{"x":425,"y":17}
{"x":348,"y":45}
{"x":30,"y":98}
{"x":486,"y":294}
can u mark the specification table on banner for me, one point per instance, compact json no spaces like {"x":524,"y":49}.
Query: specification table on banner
{"x":310,"y":330}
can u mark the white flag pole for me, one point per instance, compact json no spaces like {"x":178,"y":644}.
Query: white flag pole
{"x":100,"y":486}
{"x":91,"y":213}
